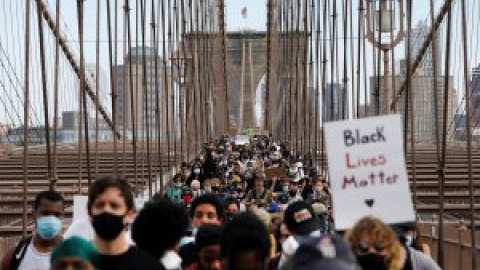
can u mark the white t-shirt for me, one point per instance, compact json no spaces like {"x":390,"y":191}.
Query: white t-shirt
{"x":34,"y":260}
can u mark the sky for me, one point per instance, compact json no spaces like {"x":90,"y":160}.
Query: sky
{"x":256,"y":19}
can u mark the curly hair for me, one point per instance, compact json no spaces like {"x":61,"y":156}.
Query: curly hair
{"x":159,"y":226}
{"x":378,"y":232}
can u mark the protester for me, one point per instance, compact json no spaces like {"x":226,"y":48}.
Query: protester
{"x":327,"y":252}
{"x":411,"y":237}
{"x":207,"y":244}
{"x":206,"y":209}
{"x":75,"y":253}
{"x":259,"y":195}
{"x":111,"y":209}
{"x":158,"y":228}
{"x":245,"y":243}
{"x":377,"y":247}
{"x":232,"y":207}
{"x":34,"y":252}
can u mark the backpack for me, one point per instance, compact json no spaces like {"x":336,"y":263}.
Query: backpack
{"x":20,"y":251}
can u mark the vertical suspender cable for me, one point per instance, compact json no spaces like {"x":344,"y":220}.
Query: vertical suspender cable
{"x":124,"y":89}
{"x":324,"y":86}
{"x":412,"y":106}
{"x":25,"y":118}
{"x":345,"y":63}
{"x":435,"y":85}
{"x":147,"y":95}
{"x":97,"y":85}
{"x":44,"y":90}
{"x":82,"y":89}
{"x":317,"y":77}
{"x":113,"y":86}
{"x":55,"y":95}
{"x":442,"y":172}
{"x":469,"y":137}
{"x":133,"y":95}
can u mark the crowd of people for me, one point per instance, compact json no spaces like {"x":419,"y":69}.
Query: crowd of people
{"x":247,"y":207}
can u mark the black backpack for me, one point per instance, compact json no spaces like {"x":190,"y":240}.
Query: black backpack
{"x":20,"y":251}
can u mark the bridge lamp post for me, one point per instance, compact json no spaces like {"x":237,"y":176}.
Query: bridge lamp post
{"x":381,"y":20}
{"x":181,"y":62}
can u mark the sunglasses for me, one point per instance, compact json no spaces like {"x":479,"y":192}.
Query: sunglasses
{"x":363,"y":247}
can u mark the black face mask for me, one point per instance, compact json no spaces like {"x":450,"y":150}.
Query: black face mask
{"x":372,"y":261}
{"x":107,"y":226}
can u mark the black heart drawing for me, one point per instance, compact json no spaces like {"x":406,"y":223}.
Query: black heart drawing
{"x":370,"y":202}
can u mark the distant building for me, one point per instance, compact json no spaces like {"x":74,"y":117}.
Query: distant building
{"x":334,"y":105}
{"x":419,"y":33}
{"x":143,"y":100}
{"x":424,"y":103}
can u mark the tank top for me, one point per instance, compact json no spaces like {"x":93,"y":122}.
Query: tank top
{"x":35,"y":260}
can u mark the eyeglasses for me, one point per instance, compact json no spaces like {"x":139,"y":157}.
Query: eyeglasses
{"x":363,"y":247}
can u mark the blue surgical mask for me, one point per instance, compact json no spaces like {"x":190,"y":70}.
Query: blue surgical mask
{"x":48,"y":227}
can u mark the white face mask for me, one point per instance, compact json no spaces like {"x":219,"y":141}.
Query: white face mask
{"x":408,"y":240}
{"x":196,"y":171}
{"x":208,"y":189}
{"x":290,"y":246}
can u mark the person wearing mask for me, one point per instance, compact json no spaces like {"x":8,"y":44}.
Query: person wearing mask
{"x":206,"y":209}
{"x":259,"y":195}
{"x":207,"y":244}
{"x":320,"y":193}
{"x":75,"y":253}
{"x":377,"y":247}
{"x":196,"y":190}
{"x":245,"y":243}
{"x":410,"y":235}
{"x":175,"y":191}
{"x":157,"y":230}
{"x":232,"y":207}
{"x":34,"y":252}
{"x":111,"y":209}
{"x":196,"y":174}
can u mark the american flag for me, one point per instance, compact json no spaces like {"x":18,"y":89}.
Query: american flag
{"x":244,"y":12}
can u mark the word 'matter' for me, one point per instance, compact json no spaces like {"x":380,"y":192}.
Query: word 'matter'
{"x":372,"y":180}
{"x":351,"y":138}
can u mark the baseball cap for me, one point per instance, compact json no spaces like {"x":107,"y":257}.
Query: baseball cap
{"x":301,"y":219}
{"x":327,"y":252}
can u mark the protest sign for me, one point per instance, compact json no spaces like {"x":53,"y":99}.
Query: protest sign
{"x":367,"y":171}
{"x":241,"y":139}
{"x":278,"y":172}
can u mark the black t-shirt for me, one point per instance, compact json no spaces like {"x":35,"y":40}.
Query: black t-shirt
{"x":134,"y":258}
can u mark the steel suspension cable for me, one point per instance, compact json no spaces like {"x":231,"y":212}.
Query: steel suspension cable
{"x":469,"y":138}
{"x":25,"y":119}
{"x":44,"y":91}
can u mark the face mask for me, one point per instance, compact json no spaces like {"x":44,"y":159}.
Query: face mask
{"x":107,"y":226}
{"x":285,"y":188}
{"x":408,"y":240}
{"x":293,"y":170}
{"x":48,"y":227}
{"x":196,"y":171}
{"x":208,"y":189}
{"x":372,"y":261}
{"x":178,"y":185}
{"x":290,"y":246}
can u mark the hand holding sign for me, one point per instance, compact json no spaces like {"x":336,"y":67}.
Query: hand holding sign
{"x":367,"y":171}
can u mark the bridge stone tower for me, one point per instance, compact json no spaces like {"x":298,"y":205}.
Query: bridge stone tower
{"x":246,"y":61}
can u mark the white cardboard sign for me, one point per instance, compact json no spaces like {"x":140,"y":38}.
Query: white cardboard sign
{"x":367,"y":171}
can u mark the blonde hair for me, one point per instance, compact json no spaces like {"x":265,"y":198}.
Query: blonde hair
{"x":378,"y":231}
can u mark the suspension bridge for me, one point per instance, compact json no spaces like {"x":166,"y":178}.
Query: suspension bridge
{"x":138,"y":86}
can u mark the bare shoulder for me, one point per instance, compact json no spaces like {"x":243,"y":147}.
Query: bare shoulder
{"x":7,"y":260}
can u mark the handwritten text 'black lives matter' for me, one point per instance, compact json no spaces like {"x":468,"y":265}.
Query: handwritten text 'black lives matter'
{"x":375,"y":178}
